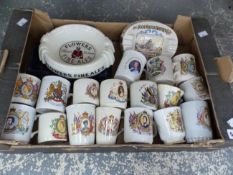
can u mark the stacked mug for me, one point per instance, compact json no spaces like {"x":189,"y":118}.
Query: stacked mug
{"x":138,"y":119}
{"x":146,"y":96}
{"x":168,"y":116}
{"x":21,"y":114}
{"x":81,"y":115}
{"x":113,"y":99}
{"x":191,"y":119}
{"x":56,"y":119}
{"x":195,"y":109}
{"x":51,"y":104}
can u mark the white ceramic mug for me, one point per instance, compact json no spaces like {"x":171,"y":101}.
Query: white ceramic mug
{"x":131,"y":66}
{"x":194,"y":89}
{"x":169,"y":95}
{"x":26,"y":89}
{"x":196,"y":121}
{"x":138,"y":125}
{"x":160,"y":70}
{"x":86,"y":90}
{"x":144,"y":93}
{"x":170,"y":125}
{"x":81,"y":124}
{"x":184,"y":67}
{"x":107,"y":124}
{"x":53,"y":94}
{"x":19,"y":123}
{"x":113,"y":93}
{"x":52,"y":127}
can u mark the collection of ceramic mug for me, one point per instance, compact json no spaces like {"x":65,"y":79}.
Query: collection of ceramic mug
{"x":159,"y":98}
{"x":94,"y":116}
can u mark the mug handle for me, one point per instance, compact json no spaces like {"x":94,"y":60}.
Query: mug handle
{"x":121,"y":131}
{"x":175,"y":71}
{"x":155,"y":129}
{"x":182,"y":93}
{"x":36,"y":117}
{"x":175,"y":66}
{"x":70,"y":95}
{"x":33,"y":134}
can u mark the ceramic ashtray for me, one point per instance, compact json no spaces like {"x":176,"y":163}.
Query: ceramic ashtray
{"x":151,"y":38}
{"x":76,"y":51}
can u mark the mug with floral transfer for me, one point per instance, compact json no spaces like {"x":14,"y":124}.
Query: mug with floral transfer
{"x":159,"y":69}
{"x":138,"y":125}
{"x":52,"y":127}
{"x":195,"y":89}
{"x":169,"y":95}
{"x":19,"y":123}
{"x":113,"y":93}
{"x":107,"y":124}
{"x":53,"y":94}
{"x":170,"y":125}
{"x":81,"y":124}
{"x":197,"y":123}
{"x":86,"y":90}
{"x":184,"y":67}
{"x":144,"y":93}
{"x":26,"y":89}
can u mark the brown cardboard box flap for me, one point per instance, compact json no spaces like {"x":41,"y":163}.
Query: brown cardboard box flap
{"x":181,"y":23}
{"x":41,"y":23}
{"x":225,"y":68}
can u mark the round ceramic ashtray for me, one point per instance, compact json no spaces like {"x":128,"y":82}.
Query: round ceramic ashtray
{"x":76,"y":51}
{"x":151,"y":38}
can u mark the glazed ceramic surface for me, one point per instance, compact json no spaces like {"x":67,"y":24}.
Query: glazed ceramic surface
{"x":53,"y":94}
{"x":52,"y":127}
{"x":169,"y":95}
{"x":160,"y":70}
{"x":86,"y":90}
{"x":151,"y":38}
{"x":107,"y":124}
{"x":81,"y":124}
{"x":19,"y":123}
{"x":131,"y":66}
{"x":196,"y":121}
{"x":138,"y":125}
{"x":76,"y":51}
{"x":26,"y":89}
{"x":170,"y":125}
{"x":113,"y":93}
{"x":184,"y":67}
{"x":144,"y":93}
{"x":195,"y":89}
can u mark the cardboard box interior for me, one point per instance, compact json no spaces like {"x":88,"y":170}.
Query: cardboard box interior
{"x":41,"y":23}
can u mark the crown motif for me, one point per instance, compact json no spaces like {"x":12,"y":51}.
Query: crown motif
{"x":121,"y":83}
{"x":111,"y":117}
{"x":62,"y":117}
{"x":30,"y":80}
{"x":12,"y":109}
{"x":85,"y":114}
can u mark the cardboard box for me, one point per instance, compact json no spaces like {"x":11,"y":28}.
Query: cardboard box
{"x":21,"y":42}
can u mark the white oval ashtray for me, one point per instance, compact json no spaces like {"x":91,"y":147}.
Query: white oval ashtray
{"x":150,"y":38}
{"x":76,"y":51}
